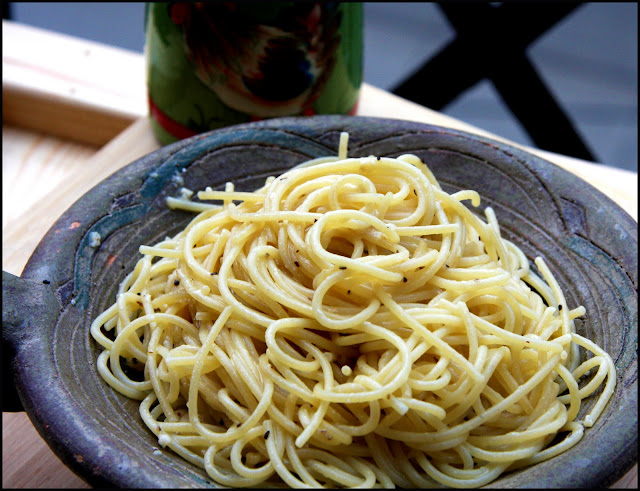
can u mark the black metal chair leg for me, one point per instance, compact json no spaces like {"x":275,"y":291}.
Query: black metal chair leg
{"x":535,"y":107}
{"x":491,"y":43}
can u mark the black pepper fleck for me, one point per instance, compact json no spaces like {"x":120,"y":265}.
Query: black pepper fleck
{"x":296,"y":263}
{"x":343,"y":267}
{"x":266,"y":435}
{"x":176,"y":282}
{"x":559,"y":307}
{"x":404,"y":280}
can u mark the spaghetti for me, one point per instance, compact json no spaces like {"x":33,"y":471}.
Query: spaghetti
{"x":350,"y":324}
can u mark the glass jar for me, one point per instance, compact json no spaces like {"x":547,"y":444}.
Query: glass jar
{"x":214,"y":64}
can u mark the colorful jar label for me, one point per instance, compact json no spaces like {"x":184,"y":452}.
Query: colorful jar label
{"x":213,"y":64}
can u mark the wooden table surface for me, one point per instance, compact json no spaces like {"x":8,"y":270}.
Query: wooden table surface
{"x":74,"y":112}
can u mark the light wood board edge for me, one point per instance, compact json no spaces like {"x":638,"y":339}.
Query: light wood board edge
{"x":69,"y":87}
{"x":56,"y":116}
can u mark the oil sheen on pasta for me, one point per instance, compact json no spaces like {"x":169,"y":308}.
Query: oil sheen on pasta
{"x":350,"y":324}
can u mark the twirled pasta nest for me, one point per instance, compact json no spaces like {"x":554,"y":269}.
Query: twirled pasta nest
{"x":349,"y":324}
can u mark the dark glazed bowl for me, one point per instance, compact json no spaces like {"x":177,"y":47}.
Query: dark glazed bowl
{"x":589,"y":243}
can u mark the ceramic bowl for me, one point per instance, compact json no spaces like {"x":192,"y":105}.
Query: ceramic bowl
{"x":589,"y":243}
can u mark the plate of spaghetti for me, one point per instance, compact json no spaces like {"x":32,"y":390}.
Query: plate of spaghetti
{"x":334,"y":302}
